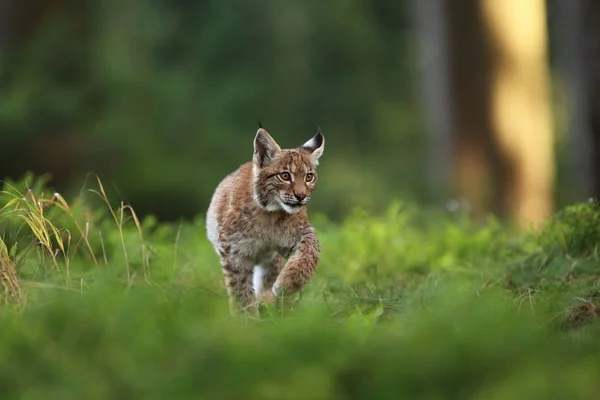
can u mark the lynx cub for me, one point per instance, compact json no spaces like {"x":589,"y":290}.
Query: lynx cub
{"x":257,"y":220}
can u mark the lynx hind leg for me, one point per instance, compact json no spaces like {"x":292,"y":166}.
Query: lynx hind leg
{"x":239,"y":289}
{"x":265,"y":275}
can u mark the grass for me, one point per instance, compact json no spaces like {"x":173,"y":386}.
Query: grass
{"x":418,"y":304}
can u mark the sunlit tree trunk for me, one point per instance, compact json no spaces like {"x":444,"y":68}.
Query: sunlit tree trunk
{"x":500,"y":91}
{"x":521,"y":105}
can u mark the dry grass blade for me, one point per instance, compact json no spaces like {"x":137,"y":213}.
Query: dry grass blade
{"x":54,"y":240}
{"x":8,"y":274}
{"x":583,"y":311}
{"x":119,"y":216}
{"x":146,"y":251}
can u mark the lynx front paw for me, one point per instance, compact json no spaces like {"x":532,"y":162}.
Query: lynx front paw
{"x":277,"y":290}
{"x":281,"y":292}
{"x":267,"y":297}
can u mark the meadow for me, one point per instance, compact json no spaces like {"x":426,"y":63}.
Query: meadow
{"x":407,"y":303}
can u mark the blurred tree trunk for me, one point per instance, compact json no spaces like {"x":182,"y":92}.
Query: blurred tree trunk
{"x":578,"y":24}
{"x":571,"y":51}
{"x":592,"y":34}
{"x":500,"y":94}
{"x":5,"y":20}
{"x":472,"y":130}
{"x":429,"y":17}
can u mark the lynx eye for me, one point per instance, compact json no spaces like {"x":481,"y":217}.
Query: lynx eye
{"x":310,"y":177}
{"x":285,"y":176}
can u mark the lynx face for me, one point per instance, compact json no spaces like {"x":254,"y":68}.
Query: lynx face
{"x":285,"y":179}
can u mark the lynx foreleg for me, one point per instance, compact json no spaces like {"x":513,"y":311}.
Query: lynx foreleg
{"x":300,"y":267}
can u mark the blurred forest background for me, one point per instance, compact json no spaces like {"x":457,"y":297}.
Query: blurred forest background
{"x":491,"y":103}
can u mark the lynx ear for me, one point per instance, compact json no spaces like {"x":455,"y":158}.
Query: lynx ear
{"x":315,"y":146}
{"x":265,"y":148}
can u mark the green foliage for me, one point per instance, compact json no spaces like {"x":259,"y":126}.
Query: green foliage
{"x":412,"y":303}
{"x":575,"y":231}
{"x":567,"y":248}
{"x":162,"y":98}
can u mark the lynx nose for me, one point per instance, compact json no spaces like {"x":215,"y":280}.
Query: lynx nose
{"x":300,"y":196}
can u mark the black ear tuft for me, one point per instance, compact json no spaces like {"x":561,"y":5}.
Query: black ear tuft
{"x":259,"y":125}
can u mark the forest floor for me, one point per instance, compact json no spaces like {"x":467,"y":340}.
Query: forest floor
{"x":412,"y":303}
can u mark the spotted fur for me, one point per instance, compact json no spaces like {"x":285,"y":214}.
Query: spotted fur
{"x":258,"y":224}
